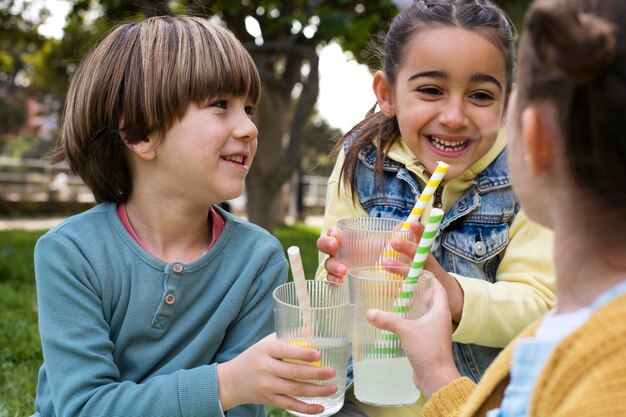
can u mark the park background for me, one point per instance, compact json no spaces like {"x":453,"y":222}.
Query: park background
{"x":315,"y":59}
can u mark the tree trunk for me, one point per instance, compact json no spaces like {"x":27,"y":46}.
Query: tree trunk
{"x":263,"y":207}
{"x":280,"y":120}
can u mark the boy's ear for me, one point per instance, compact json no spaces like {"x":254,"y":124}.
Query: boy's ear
{"x":382,"y":90}
{"x":538,"y":135}
{"x":144,"y":149}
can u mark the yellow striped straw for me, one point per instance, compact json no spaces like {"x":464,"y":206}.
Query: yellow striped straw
{"x":426,"y":195}
{"x":420,"y":205}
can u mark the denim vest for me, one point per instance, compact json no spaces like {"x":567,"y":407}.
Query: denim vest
{"x":472,"y":235}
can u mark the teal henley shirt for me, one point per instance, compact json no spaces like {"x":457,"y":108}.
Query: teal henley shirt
{"x":126,"y":334}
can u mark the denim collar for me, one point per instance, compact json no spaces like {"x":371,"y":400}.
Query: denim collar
{"x":495,"y":176}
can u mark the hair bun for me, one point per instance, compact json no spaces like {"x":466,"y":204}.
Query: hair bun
{"x":578,"y":46}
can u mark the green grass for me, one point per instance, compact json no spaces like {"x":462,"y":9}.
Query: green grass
{"x":20,"y":351}
{"x":305,"y":238}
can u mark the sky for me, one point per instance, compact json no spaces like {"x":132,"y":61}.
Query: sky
{"x":345,"y":86}
{"x":345,"y":89}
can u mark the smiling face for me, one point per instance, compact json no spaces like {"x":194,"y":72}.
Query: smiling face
{"x":448,"y":97}
{"x":206,"y":155}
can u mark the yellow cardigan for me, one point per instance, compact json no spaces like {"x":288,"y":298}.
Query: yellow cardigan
{"x":585,"y":375}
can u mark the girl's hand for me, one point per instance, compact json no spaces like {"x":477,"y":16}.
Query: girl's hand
{"x":427,"y":341}
{"x":329,"y":245}
{"x":259,"y":375}
{"x":452,"y":287}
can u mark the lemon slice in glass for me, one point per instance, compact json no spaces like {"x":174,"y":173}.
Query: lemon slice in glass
{"x":304,"y":344}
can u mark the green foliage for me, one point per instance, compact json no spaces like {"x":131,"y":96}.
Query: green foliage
{"x":318,"y":139}
{"x":12,"y":114}
{"x":18,"y":35}
{"x":48,"y":63}
{"x":20,"y":350}
{"x":25,"y":146}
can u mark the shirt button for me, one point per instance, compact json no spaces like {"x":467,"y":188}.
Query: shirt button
{"x":178,"y":268}
{"x":170,"y":299}
{"x":480,"y":248}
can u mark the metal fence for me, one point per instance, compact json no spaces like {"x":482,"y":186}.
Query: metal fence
{"x":314,"y":191}
{"x":37,"y":181}
{"x":33,"y":180}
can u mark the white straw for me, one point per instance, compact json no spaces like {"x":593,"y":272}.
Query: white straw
{"x":297,"y":271}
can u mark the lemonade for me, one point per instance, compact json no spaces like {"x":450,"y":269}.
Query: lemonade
{"x":334,"y":354}
{"x":372,"y":381}
{"x":322,"y":321}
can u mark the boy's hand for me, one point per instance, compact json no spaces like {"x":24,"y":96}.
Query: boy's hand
{"x":259,"y":375}
{"x":427,"y":340}
{"x":329,"y":245}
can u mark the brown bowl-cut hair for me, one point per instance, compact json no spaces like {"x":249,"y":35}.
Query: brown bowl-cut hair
{"x":139,"y":80}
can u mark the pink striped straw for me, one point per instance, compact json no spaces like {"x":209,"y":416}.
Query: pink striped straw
{"x":299,"y":279}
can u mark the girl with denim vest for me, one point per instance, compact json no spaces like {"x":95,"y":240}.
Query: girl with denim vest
{"x":566,"y":155}
{"x":447,"y":69}
{"x":156,"y":302}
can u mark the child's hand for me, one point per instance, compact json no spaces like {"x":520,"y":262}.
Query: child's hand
{"x":259,"y":375}
{"x":329,"y":245}
{"x":427,"y":341}
{"x":452,"y":287}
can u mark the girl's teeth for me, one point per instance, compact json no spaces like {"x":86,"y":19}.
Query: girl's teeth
{"x":448,"y":146}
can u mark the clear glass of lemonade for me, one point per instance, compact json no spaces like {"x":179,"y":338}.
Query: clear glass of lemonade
{"x":366,"y":241}
{"x":382,"y":373}
{"x":324,"y":326}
